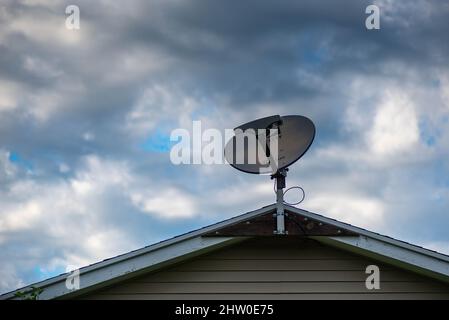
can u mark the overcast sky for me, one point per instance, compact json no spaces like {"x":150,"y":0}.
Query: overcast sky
{"x":86,"y":116}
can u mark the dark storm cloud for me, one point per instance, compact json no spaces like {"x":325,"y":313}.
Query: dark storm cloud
{"x":252,"y":50}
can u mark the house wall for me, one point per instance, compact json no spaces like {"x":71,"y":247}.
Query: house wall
{"x":275,"y":268}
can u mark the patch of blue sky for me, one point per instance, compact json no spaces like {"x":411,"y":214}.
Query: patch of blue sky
{"x":435,"y":175}
{"x":20,"y":161}
{"x":314,"y":57}
{"x":204,"y":111}
{"x":41,"y":273}
{"x":428,"y":133}
{"x":441,"y":170}
{"x":158,"y":141}
{"x":312,"y":52}
{"x":436,"y":83}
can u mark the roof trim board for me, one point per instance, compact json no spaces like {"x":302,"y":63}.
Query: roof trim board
{"x":111,"y":273}
{"x":370,"y":234}
{"x":391,"y":254}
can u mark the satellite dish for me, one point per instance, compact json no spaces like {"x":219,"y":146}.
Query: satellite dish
{"x":269,"y":146}
{"x":289,"y":138}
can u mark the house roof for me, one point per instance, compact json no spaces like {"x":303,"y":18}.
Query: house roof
{"x":329,"y":231}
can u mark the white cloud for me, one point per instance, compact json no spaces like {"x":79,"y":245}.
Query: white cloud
{"x":385,"y":125}
{"x":88,"y":136}
{"x":28,"y":203}
{"x":63,"y":168}
{"x":46,"y":28}
{"x":158,"y":104}
{"x":102,"y":173}
{"x":44,"y":104}
{"x":395,"y":129}
{"x":444,"y":88}
{"x":71,"y":211}
{"x":9,"y":277}
{"x":133,"y":63}
{"x":7,"y":169}
{"x":8,"y":95}
{"x":168,"y":203}
{"x":20,"y":216}
{"x":41,"y":2}
{"x":39,"y":104}
{"x":41,"y":68}
{"x":361,"y":211}
{"x":243,"y":194}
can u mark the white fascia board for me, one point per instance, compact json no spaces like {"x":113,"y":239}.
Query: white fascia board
{"x":112,"y":273}
{"x":369,"y":234}
{"x":390,"y":253}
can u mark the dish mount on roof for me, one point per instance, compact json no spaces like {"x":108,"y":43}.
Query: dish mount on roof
{"x":269,"y":146}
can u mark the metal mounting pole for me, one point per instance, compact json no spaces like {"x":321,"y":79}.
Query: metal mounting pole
{"x":280,"y":213}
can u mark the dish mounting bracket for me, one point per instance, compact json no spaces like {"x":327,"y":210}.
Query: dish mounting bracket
{"x":280,"y":176}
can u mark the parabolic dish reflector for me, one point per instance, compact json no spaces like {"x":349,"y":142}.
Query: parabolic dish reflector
{"x":279,"y":142}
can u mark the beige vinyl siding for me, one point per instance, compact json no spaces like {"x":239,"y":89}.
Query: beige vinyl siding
{"x":275,"y":268}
